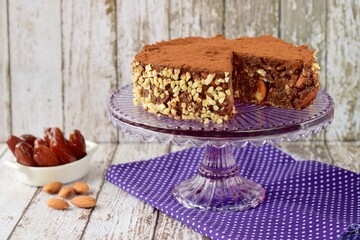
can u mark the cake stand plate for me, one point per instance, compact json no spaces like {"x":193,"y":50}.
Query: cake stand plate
{"x":218,"y":184}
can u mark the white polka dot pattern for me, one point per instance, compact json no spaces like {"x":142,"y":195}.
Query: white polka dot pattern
{"x":304,"y":199}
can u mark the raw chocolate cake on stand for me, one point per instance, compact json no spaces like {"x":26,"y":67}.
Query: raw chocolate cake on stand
{"x":221,"y":94}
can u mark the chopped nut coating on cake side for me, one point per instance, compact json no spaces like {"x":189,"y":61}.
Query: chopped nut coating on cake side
{"x":200,"y":78}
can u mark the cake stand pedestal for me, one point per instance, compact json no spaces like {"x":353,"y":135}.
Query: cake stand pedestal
{"x":218,"y":184}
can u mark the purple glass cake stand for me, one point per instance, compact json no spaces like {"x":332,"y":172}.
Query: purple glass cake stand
{"x":218,"y":184}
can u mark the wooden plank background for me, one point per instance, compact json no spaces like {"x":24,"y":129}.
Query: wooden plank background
{"x":60,"y":60}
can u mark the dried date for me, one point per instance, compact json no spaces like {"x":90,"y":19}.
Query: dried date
{"x":40,"y":141}
{"x":24,"y":154}
{"x":77,"y":144}
{"x":62,"y":151}
{"x":44,"y":157}
{"x":30,"y":139}
{"x":12,"y":141}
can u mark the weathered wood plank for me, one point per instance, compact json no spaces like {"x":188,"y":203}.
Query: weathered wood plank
{"x":176,"y":148}
{"x":343,"y":71}
{"x":137,"y":23}
{"x":196,"y":18}
{"x":89,"y":67}
{"x":41,"y":222}
{"x":307,"y":151}
{"x":167,"y":227}
{"x":3,"y":147}
{"x":35,"y":64}
{"x":170,"y":229}
{"x":15,"y":196}
{"x":118,"y":214}
{"x":5,"y":106}
{"x":251,"y":18}
{"x":346,"y":155}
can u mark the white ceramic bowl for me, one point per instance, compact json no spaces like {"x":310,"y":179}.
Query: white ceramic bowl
{"x":39,"y":176}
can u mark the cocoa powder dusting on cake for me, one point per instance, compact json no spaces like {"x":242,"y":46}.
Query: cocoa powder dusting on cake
{"x":215,"y":54}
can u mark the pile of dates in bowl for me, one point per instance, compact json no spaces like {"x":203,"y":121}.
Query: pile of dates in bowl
{"x":51,"y":150}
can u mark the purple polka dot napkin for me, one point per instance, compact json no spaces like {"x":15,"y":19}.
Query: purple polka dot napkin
{"x":304,"y":199}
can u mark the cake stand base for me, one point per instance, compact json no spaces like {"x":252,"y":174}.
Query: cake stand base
{"x":218,"y":184}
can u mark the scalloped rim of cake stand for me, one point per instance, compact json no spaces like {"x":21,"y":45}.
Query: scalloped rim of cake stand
{"x":137,"y":122}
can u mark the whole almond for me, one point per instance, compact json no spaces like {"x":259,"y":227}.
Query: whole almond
{"x":53,"y":187}
{"x":57,"y":203}
{"x":84,"y":201}
{"x":66,"y":192}
{"x":80,"y":187}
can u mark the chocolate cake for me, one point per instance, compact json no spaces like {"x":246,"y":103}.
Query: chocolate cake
{"x":201,"y":78}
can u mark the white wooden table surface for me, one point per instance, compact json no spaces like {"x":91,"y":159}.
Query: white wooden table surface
{"x":76,"y":49}
{"x":118,"y":215}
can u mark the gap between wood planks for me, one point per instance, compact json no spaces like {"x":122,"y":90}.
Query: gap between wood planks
{"x":156,"y":211}
{"x":101,"y":186}
{"x":25,"y":209}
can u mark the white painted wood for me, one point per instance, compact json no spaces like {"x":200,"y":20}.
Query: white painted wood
{"x":42,"y":222}
{"x":346,"y":155}
{"x":195,"y":18}
{"x":167,"y":227}
{"x":170,"y":229}
{"x":176,"y":148}
{"x":89,"y":67}
{"x":3,"y":147}
{"x":5,"y":116}
{"x":307,"y":151}
{"x":120,"y":215}
{"x":35,"y":65}
{"x":343,"y":71}
{"x":138,"y":22}
{"x":14,"y":198}
{"x":251,"y":18}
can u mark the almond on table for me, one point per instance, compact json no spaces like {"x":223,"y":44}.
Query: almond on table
{"x":84,"y":201}
{"x":53,"y":187}
{"x":80,"y":187}
{"x":57,"y":203}
{"x":66,"y":192}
